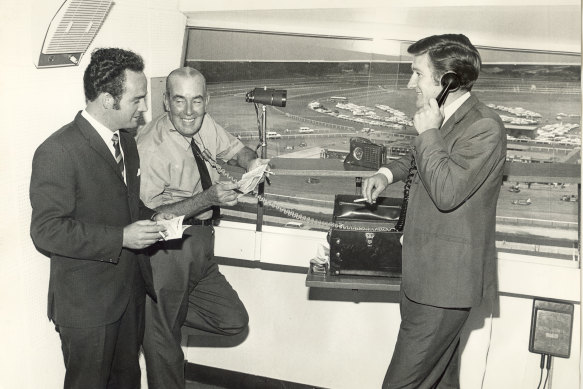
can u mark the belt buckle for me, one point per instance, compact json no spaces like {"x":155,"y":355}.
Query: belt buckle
{"x":198,"y":222}
{"x":205,"y":222}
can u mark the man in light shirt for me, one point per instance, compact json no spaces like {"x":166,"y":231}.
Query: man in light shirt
{"x":178,"y":150}
{"x":449,"y":253}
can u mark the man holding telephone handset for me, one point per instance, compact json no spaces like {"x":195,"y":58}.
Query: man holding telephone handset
{"x":449,"y":253}
{"x":178,"y":150}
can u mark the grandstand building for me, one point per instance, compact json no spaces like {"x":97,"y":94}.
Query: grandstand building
{"x":517,"y":131}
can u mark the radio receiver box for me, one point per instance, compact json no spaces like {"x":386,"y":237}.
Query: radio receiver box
{"x":366,"y":154}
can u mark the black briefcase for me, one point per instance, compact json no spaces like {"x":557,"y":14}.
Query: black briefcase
{"x":363,"y":241}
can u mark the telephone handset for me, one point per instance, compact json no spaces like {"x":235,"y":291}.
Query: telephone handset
{"x":450,"y":83}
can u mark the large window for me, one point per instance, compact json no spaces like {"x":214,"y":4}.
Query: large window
{"x":341,"y":88}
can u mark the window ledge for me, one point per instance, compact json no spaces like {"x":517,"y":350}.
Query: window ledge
{"x":517,"y":274}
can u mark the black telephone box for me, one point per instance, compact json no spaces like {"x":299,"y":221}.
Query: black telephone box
{"x":365,"y":244}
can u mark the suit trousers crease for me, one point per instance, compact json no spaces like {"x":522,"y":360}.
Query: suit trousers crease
{"x":106,"y":356}
{"x":426,"y":354}
{"x":191,"y":291}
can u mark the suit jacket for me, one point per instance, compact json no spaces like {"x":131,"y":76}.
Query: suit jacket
{"x":449,"y":253}
{"x":80,"y":206}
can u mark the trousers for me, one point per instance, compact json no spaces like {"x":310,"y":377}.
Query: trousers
{"x":427,"y":353}
{"x":106,"y":356}
{"x":192,"y":292}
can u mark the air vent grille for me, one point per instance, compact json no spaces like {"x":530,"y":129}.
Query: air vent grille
{"x":75,"y":25}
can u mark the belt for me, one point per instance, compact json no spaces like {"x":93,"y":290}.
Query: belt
{"x":197,"y":222}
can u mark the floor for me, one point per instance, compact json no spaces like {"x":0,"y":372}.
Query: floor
{"x":215,"y":378}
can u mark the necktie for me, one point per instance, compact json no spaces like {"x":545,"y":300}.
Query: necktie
{"x":205,"y":178}
{"x":118,"y":156}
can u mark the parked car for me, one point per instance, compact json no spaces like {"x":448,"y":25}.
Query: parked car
{"x":522,"y":202}
{"x":569,"y":198}
{"x":294,"y":224}
{"x":514,"y":188}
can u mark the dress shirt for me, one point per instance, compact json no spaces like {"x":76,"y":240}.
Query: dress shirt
{"x":448,"y":111}
{"x":106,"y":134}
{"x":168,"y":169}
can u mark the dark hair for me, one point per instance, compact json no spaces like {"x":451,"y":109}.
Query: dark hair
{"x":106,"y":72}
{"x":450,"y":53}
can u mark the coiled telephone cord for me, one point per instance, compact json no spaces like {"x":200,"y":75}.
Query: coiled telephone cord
{"x":294,"y":214}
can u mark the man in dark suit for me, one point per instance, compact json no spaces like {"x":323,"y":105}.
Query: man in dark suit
{"x":449,"y":253}
{"x":87,"y":214}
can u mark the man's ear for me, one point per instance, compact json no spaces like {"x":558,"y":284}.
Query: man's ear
{"x":166,"y":102}
{"x":107,"y":100}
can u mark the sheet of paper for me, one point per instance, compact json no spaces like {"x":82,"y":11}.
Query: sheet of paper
{"x":249,"y":180}
{"x":174,"y":228}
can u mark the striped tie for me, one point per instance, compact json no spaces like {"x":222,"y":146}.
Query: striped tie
{"x":118,"y":156}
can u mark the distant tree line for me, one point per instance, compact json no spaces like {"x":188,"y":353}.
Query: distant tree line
{"x":238,"y":71}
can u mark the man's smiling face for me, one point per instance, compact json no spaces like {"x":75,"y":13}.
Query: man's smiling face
{"x":186,"y":100}
{"x":422,"y":80}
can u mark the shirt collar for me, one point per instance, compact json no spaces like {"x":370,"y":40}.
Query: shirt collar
{"x":452,"y":107}
{"x":103,"y":131}
{"x":178,"y":137}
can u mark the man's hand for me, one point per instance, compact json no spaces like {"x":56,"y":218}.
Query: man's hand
{"x":373,"y":186}
{"x":163,"y":216}
{"x":222,"y":194}
{"x":257,"y":162}
{"x":142,"y":234}
{"x":429,"y":116}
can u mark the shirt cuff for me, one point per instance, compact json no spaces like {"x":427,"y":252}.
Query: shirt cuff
{"x":387,"y":173}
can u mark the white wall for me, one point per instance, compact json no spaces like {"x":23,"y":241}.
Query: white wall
{"x":34,"y":103}
{"x":343,"y":339}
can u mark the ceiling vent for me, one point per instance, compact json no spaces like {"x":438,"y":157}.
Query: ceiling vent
{"x":71,"y":31}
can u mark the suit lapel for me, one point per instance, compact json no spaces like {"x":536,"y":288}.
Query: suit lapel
{"x":96,"y":143}
{"x":458,"y":115}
